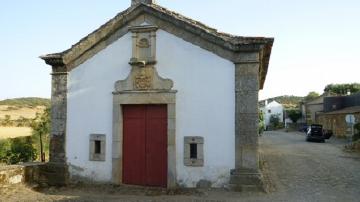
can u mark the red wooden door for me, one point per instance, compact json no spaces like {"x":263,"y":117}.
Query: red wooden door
{"x":145,"y":145}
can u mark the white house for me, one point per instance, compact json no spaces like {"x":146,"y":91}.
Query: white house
{"x":270,"y":109}
{"x":153,"y":98}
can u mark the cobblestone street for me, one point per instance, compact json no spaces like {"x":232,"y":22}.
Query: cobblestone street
{"x":299,"y":171}
{"x":305,"y":171}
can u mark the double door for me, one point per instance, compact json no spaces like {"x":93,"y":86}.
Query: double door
{"x":145,"y":145}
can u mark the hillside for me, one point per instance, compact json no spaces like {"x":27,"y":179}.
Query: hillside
{"x":288,"y":101}
{"x":16,"y":115}
{"x":22,"y":107}
{"x":26,"y":102}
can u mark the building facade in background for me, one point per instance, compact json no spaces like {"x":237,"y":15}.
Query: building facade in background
{"x":335,"y":110}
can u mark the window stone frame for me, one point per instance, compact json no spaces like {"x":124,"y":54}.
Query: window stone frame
{"x":92,"y":155}
{"x":199,"y":141}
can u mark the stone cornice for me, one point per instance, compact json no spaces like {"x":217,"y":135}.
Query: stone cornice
{"x":53,"y":59}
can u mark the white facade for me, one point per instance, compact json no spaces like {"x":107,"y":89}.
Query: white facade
{"x":273,"y":108}
{"x":205,"y":106}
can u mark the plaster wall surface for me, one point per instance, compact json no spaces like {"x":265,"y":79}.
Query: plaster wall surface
{"x":205,"y":106}
{"x":89,"y":108}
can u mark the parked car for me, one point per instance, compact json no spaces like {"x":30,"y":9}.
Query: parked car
{"x":315,"y":133}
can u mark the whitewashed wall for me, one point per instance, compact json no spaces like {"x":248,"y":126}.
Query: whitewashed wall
{"x":205,"y":106}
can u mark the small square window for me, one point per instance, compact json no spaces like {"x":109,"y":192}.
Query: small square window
{"x":193,"y":151}
{"x":97,"y":147}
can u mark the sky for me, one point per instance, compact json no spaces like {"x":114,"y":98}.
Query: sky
{"x":316,"y":42}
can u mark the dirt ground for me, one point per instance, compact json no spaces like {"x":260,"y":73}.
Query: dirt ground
{"x":298,"y":171}
{"x":119,"y":193}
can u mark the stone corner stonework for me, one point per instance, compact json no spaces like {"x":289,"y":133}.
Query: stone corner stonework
{"x":246,"y":176}
{"x":55,"y":172}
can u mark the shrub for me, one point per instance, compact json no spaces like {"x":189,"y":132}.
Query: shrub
{"x":5,"y":146}
{"x":17,"y":150}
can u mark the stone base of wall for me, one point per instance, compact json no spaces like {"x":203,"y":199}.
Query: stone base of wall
{"x":246,"y":180}
{"x":25,"y":173}
{"x":11,"y":175}
{"x":53,"y":174}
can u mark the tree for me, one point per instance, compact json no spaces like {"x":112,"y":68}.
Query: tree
{"x":342,"y":89}
{"x":311,"y":95}
{"x":294,"y":115}
{"x":41,"y":129}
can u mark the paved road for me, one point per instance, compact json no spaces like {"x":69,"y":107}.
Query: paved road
{"x":304,"y":171}
{"x":299,"y":170}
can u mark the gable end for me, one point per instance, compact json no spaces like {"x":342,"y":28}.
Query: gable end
{"x":234,"y":48}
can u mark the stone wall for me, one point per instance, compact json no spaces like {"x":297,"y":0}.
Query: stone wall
{"x":336,"y":123}
{"x":11,"y":175}
{"x":26,"y":173}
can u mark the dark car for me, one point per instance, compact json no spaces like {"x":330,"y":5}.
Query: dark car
{"x":315,"y":133}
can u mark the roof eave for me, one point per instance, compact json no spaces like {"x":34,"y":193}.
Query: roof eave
{"x":266,"y":60}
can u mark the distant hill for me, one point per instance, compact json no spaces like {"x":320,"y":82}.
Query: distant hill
{"x":26,"y":102}
{"x":16,"y":115}
{"x":288,"y":101}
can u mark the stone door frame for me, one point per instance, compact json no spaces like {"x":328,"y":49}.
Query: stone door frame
{"x":167,"y":97}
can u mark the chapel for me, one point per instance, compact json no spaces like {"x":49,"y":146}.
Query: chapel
{"x":153,"y":98}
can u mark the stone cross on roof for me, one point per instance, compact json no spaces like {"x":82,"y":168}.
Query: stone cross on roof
{"x":133,"y":2}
